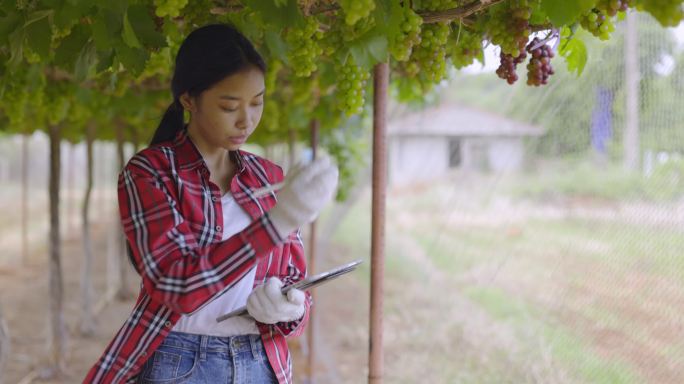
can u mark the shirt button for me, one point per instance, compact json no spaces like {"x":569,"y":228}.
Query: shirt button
{"x":167,"y":324}
{"x":144,"y":354}
{"x":218,"y":228}
{"x":214,"y":198}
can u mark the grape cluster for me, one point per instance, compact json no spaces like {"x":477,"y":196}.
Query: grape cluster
{"x":304,"y":47}
{"x":13,"y":101}
{"x":355,"y":10}
{"x":169,"y":8}
{"x":352,"y":85}
{"x":509,"y":27}
{"x":539,"y":68}
{"x":464,"y":48}
{"x":429,"y":57}
{"x":402,"y":44}
{"x":508,"y":65}
{"x":599,"y":21}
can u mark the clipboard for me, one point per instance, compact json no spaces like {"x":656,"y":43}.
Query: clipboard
{"x":304,"y":284}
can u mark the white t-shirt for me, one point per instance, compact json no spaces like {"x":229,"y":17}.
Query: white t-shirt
{"x":203,"y":321}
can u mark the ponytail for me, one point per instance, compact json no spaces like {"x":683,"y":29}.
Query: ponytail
{"x":172,"y":122}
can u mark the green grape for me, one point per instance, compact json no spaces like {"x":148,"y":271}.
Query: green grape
{"x":355,"y":10}
{"x":464,"y":48}
{"x":14,"y":100}
{"x":430,"y":54}
{"x":598,"y":23}
{"x":304,"y":48}
{"x":353,"y":79}
{"x":353,"y":32}
{"x":171,"y":8}
{"x":158,"y":64}
{"x":508,"y":26}
{"x":331,"y":41}
{"x":403,"y":43}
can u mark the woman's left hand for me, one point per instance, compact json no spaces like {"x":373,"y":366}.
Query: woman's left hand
{"x":267,"y":304}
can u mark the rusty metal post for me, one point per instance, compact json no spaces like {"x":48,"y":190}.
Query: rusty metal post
{"x":380,"y":84}
{"x":315,"y":124}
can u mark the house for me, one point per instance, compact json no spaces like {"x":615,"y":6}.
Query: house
{"x":426,"y":144}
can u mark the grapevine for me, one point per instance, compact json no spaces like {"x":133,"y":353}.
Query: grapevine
{"x":355,"y":10}
{"x":352,"y":86}
{"x":465,"y":47}
{"x":539,"y":68}
{"x":170,"y":8}
{"x":430,"y":55}
{"x":403,"y":43}
{"x":509,"y":27}
{"x":304,"y":48}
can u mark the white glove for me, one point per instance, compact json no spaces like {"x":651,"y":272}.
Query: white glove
{"x":266,"y":304}
{"x":307,"y":188}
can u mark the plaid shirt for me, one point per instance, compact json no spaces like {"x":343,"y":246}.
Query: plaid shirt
{"x":171,"y":216}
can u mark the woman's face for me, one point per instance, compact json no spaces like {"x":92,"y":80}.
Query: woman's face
{"x":227,"y":113}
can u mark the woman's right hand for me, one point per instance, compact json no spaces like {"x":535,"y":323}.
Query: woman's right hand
{"x":306,"y":190}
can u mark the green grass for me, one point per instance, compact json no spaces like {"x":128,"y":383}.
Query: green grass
{"x":565,"y":346}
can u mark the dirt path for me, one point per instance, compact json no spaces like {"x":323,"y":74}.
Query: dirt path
{"x":25,"y":300}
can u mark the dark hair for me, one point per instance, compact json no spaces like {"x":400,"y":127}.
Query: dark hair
{"x":206,"y":56}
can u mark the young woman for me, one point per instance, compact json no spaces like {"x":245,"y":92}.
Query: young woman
{"x":202,"y":241}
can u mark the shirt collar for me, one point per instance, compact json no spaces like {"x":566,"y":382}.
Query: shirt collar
{"x":190,"y":157}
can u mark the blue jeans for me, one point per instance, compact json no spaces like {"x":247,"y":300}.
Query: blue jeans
{"x":192,"y":359}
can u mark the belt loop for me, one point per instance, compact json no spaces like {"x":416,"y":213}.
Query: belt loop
{"x":204,"y":339}
{"x":253,"y":340}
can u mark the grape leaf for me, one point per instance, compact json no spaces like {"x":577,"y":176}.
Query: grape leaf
{"x":575,"y":53}
{"x":133,"y":59}
{"x":85,"y":61}
{"x":143,"y":26}
{"x":105,"y":60}
{"x":38,"y":36}
{"x":37,"y":16}
{"x":275,"y":43}
{"x":128,"y":34}
{"x":278,"y":14}
{"x":562,"y":12}
{"x":70,"y":47}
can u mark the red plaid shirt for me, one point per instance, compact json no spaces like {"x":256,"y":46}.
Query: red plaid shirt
{"x":172,"y":217}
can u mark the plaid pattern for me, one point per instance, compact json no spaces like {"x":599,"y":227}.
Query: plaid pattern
{"x":171,"y":216}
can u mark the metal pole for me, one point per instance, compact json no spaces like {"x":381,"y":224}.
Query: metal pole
{"x":311,"y":268}
{"x":380,"y":84}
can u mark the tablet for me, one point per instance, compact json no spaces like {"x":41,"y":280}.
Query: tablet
{"x":304,"y":284}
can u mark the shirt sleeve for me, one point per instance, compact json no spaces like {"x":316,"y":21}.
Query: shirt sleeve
{"x":174,"y":269}
{"x":293,"y":252}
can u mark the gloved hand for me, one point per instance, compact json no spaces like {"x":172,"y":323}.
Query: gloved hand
{"x":307,"y":188}
{"x":268,"y":305}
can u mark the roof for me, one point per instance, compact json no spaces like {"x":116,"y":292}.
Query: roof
{"x":459,"y":120}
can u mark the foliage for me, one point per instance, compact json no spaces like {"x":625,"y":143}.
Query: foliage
{"x":121,"y":50}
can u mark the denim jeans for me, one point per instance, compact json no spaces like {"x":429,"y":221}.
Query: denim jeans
{"x":190,"y":359}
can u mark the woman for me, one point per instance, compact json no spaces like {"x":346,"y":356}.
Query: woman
{"x":202,"y":241}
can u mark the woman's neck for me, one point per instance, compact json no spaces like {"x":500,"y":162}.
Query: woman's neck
{"x":218,"y":160}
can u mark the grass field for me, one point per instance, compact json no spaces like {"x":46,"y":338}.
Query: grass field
{"x":486,"y":286}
